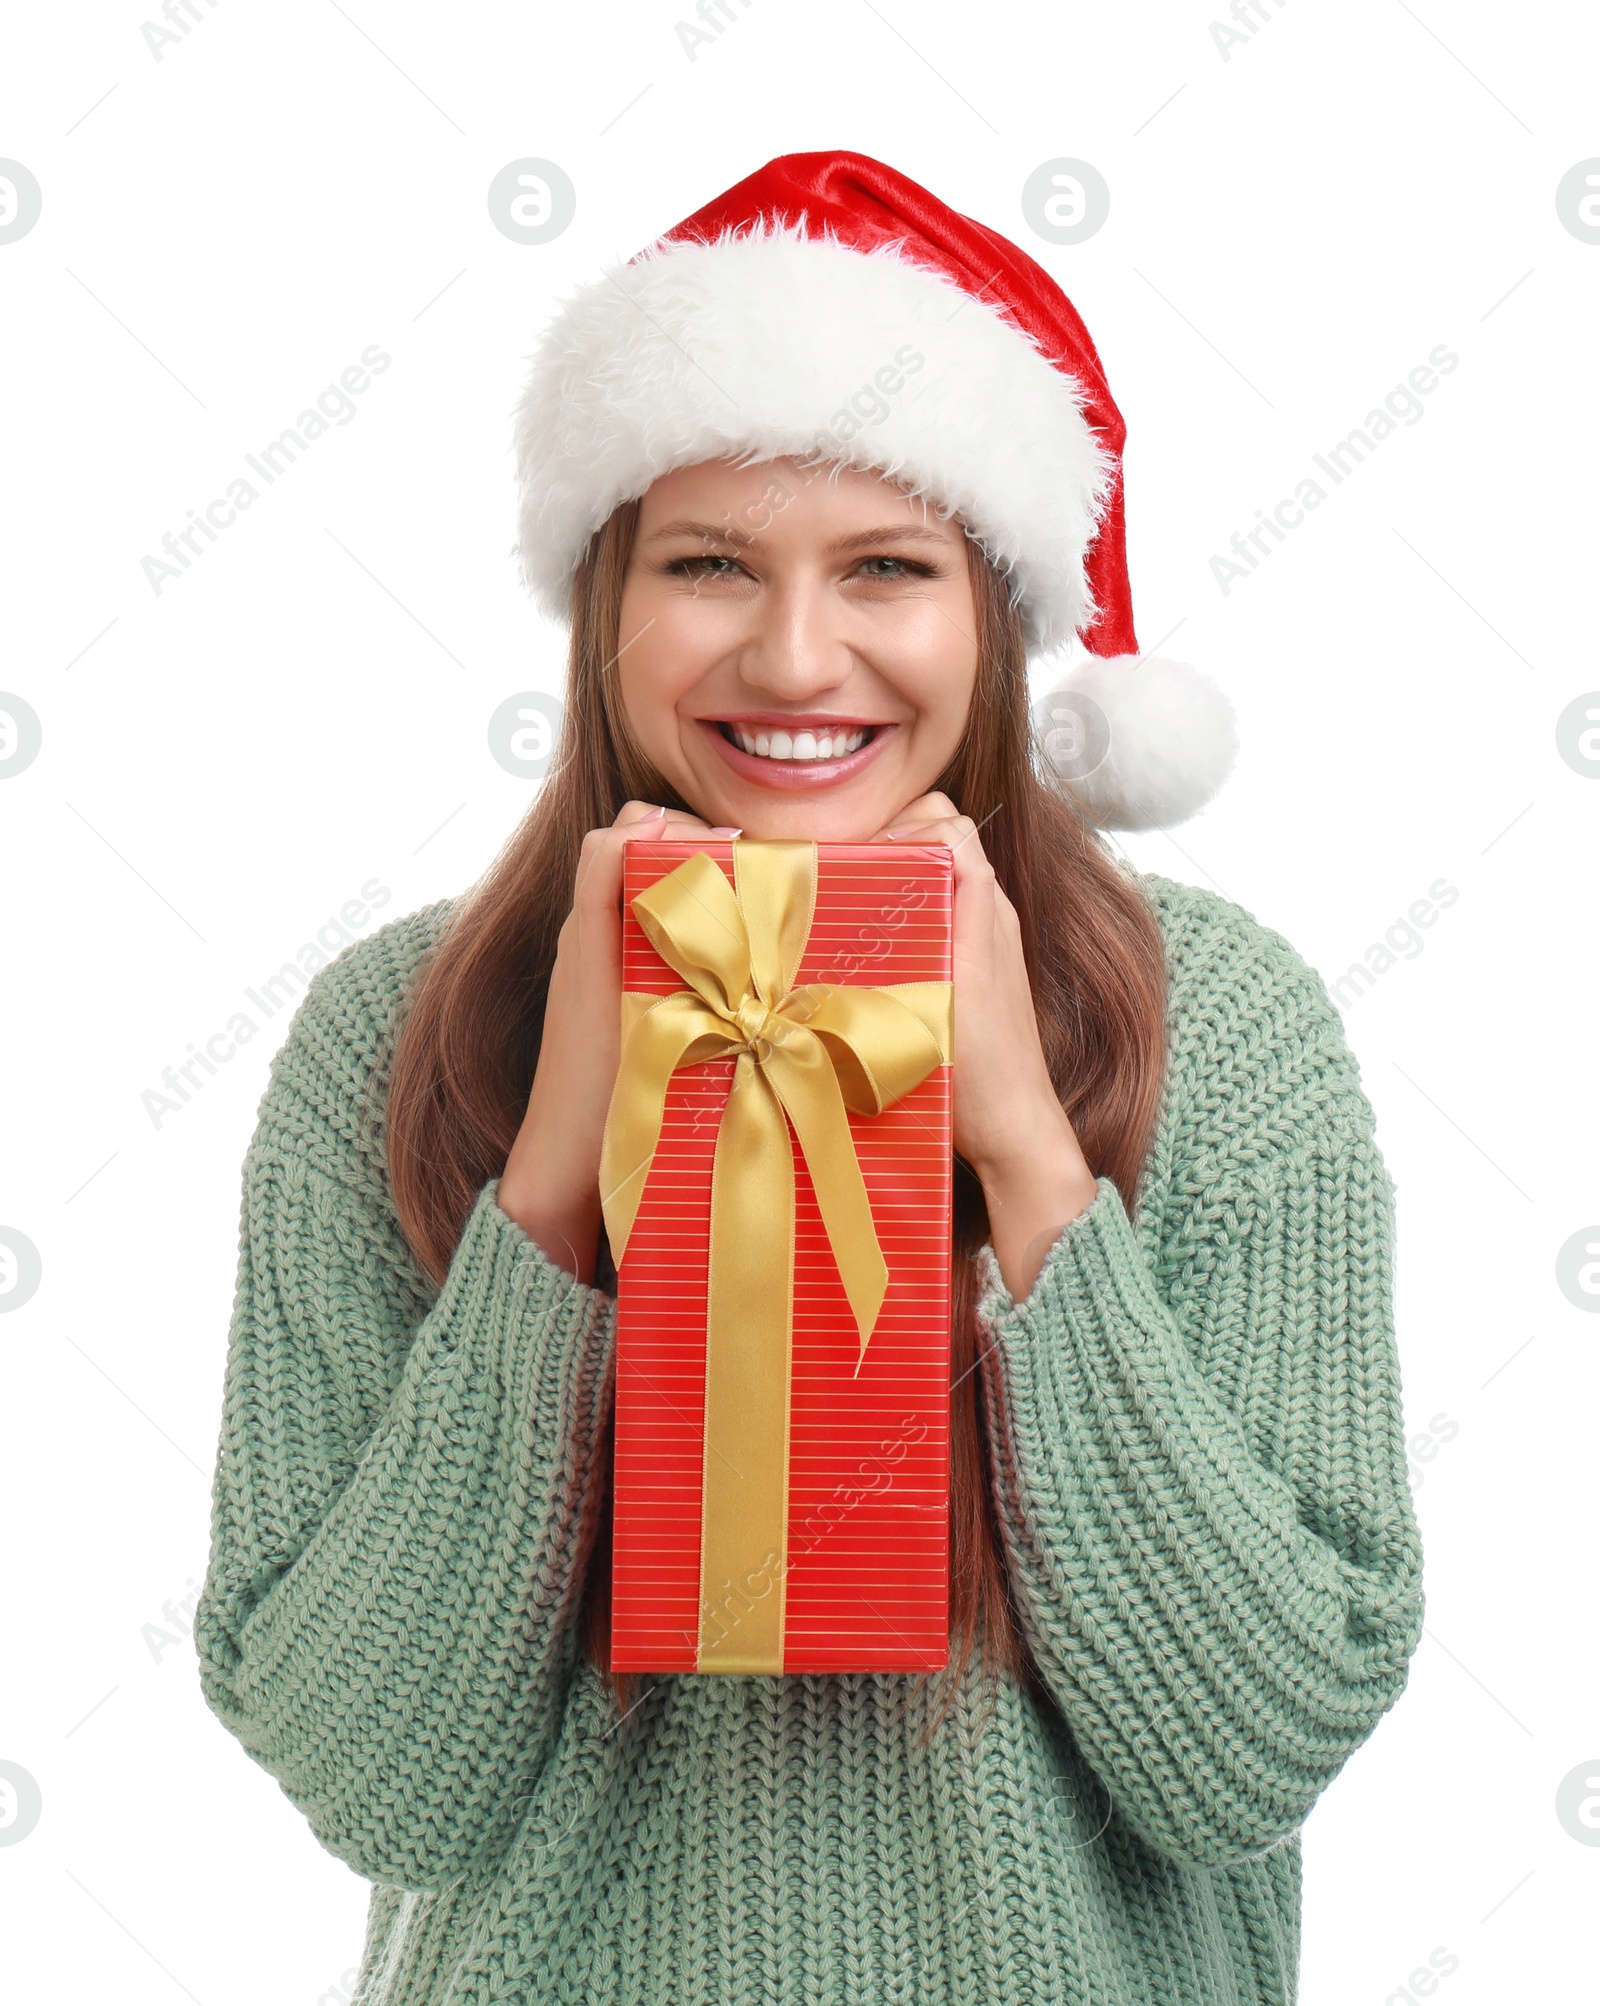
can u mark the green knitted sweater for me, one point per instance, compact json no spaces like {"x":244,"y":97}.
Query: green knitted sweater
{"x":1207,"y":1520}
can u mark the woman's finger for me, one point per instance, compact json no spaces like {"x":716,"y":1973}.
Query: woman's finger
{"x":920,"y":832}
{"x":972,"y":865}
{"x":640,"y":820}
{"x":637,"y":811}
{"x":959,"y":831}
{"x":917,"y":814}
{"x":599,"y":879}
{"x":650,"y":811}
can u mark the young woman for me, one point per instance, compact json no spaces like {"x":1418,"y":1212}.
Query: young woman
{"x":1186,"y":1571}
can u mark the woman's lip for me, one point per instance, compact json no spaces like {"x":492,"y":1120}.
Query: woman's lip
{"x":795,"y":775}
{"x":798,"y":720}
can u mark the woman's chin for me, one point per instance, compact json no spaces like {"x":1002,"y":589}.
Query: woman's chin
{"x":814,"y":814}
{"x":812,"y":828}
{"x":801,"y":818}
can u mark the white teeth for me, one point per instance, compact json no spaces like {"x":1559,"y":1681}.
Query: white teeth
{"x":803,"y":745}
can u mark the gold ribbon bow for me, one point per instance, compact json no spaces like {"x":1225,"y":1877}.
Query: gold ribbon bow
{"x":804,"y":1057}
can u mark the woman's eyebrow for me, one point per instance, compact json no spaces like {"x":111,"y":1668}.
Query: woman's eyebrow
{"x":708,"y":532}
{"x":858,"y":539}
{"x":896,"y":532}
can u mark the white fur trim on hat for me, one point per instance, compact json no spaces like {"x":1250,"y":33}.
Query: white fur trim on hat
{"x":1140,"y":742}
{"x":774,"y":344}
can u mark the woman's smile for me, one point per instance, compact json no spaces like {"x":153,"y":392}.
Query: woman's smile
{"x":808,"y":749}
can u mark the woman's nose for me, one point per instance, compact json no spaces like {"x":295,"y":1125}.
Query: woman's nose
{"x":799,"y":644}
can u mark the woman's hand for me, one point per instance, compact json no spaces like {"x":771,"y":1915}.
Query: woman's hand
{"x":1008,"y":1123}
{"x":551,"y":1183}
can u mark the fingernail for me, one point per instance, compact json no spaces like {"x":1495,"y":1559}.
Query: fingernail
{"x":889,"y":835}
{"x":725,"y":832}
{"x":654,"y":812}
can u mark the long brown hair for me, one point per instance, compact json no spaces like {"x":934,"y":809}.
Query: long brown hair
{"x":469,"y":1038}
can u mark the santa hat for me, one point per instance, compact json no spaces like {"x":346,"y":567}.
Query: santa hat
{"x":829,"y":308}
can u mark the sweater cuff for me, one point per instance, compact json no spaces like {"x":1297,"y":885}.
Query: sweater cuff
{"x":503,"y":1283}
{"x":1098,"y":1240}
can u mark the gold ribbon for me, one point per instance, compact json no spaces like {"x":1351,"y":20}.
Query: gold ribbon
{"x":804,"y":1057}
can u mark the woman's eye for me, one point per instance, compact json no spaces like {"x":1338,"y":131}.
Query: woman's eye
{"x":713,"y":565}
{"x":905,"y":567}
{"x":685,"y":567}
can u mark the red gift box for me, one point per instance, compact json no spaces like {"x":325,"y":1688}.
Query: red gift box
{"x":862,"y":1577}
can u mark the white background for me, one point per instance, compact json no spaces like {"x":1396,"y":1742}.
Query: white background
{"x":1292,"y":230}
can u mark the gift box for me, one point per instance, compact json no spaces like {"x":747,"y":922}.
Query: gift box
{"x":777,"y":1189}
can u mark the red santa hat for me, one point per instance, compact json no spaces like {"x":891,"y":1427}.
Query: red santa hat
{"x":830,"y":309}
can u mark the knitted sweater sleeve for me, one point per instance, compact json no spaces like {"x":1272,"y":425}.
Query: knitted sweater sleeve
{"x":1201,"y":1472}
{"x":401,"y":1508}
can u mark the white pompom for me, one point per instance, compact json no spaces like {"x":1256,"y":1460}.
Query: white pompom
{"x":1140,"y":742}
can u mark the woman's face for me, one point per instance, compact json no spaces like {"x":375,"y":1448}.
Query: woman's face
{"x":797,"y":651}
